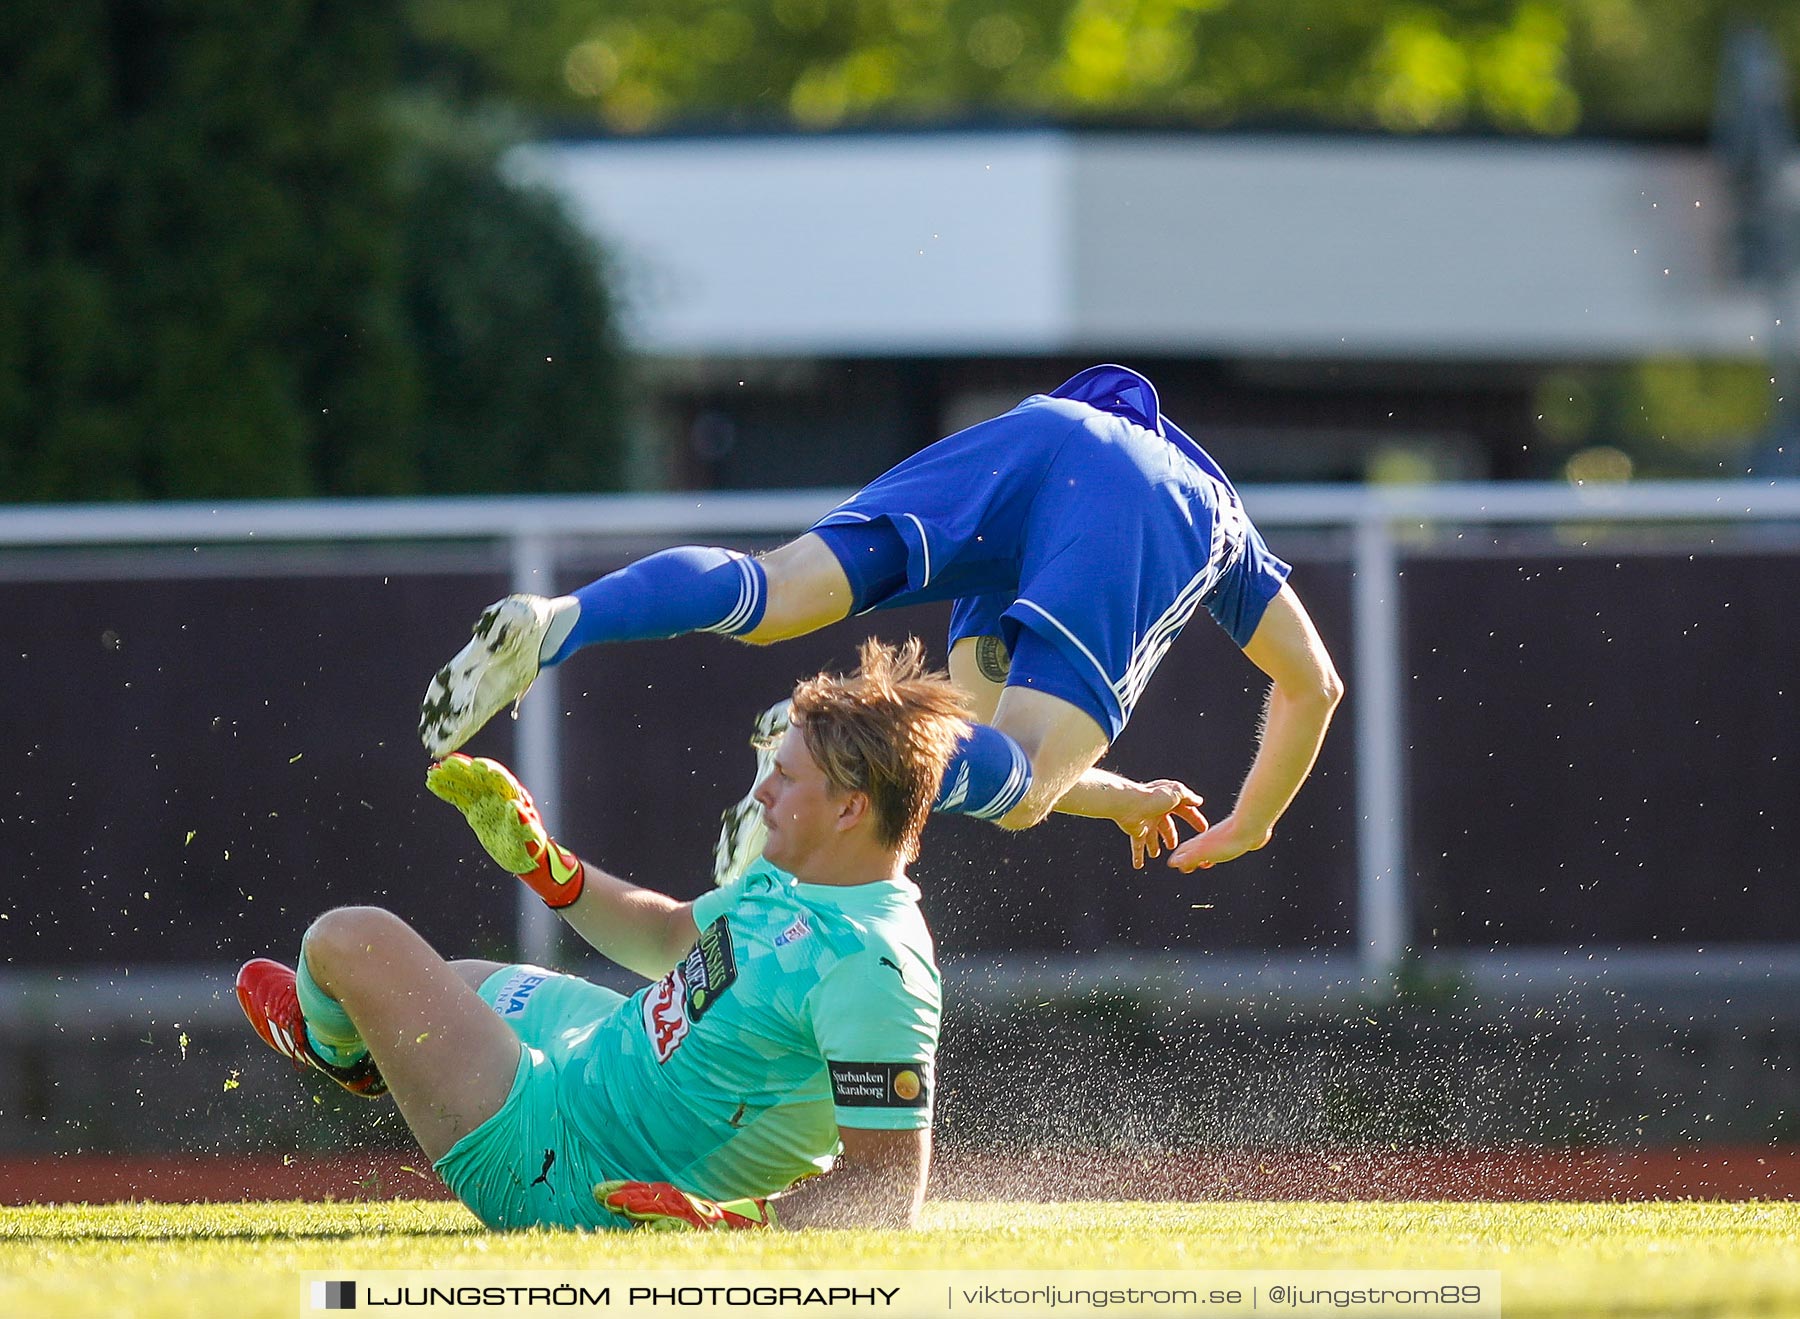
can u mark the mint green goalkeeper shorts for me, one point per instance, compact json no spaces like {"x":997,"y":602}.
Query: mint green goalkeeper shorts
{"x":527,"y":1165}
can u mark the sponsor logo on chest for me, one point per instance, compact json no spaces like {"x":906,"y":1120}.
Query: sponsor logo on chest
{"x":673,"y":1004}
{"x":665,"y":1023}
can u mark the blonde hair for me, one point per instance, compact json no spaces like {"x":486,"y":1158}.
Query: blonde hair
{"x":888,"y":730}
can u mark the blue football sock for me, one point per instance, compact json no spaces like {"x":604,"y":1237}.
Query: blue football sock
{"x":333,"y":1035}
{"x":988,"y":776}
{"x":689,"y":589}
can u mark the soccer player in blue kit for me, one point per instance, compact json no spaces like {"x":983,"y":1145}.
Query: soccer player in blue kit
{"x":789,"y":1026}
{"x":1076,"y":535}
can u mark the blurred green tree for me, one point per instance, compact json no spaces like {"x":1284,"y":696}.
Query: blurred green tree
{"x":521,"y":367}
{"x":1533,"y":66}
{"x":218,"y":246}
{"x":1677,"y":416}
{"x":197,"y":237}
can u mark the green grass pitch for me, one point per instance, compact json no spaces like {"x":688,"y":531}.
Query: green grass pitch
{"x":172,"y":1261}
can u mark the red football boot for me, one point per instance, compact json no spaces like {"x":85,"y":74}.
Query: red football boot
{"x":265,"y":990}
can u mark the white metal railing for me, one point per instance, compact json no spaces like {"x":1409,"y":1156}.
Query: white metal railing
{"x":532,"y":526}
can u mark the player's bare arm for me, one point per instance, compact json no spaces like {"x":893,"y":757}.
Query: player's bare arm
{"x":1053,"y":731}
{"x":1147,"y":813}
{"x":639,"y":928}
{"x":1304,"y":693}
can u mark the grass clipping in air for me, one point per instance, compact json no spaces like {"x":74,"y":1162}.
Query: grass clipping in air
{"x":1554,"y":1259}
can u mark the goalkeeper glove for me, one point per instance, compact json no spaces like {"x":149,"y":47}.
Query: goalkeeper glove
{"x":660,"y":1207}
{"x":506,"y":821}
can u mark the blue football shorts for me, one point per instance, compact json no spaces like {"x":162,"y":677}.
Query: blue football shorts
{"x":1081,"y":539}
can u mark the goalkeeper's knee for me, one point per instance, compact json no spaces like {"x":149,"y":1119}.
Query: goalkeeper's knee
{"x":987,"y":777}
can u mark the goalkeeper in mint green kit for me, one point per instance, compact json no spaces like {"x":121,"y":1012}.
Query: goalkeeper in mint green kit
{"x":789,"y":1028}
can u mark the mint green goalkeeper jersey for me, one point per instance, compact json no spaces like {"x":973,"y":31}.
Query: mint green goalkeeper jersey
{"x":800,"y":1008}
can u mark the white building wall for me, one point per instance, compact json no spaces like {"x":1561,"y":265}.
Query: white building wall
{"x":1406,"y":248}
{"x":952,"y":243}
{"x":811,"y":245}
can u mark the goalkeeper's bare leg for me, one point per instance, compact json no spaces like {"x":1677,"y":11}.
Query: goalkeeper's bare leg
{"x":447,"y":1057}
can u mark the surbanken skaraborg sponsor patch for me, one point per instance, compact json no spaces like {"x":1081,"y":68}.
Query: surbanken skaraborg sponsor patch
{"x":881,"y":1085}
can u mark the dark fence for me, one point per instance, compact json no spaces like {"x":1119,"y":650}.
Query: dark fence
{"x":209,"y":748}
{"x":1604,"y":748}
{"x":207,"y":762}
{"x":201,"y":764}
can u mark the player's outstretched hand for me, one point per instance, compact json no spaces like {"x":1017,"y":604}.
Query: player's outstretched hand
{"x":1152,"y":828}
{"x":1225,"y":841}
{"x":660,"y":1207}
{"x":496,"y":805}
{"x":508,"y":826}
